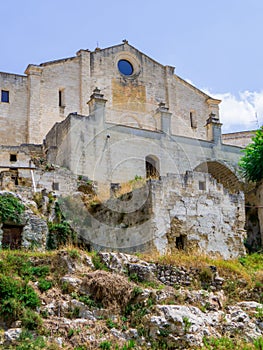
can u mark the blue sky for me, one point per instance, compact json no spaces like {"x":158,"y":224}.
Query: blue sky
{"x":216,"y":45}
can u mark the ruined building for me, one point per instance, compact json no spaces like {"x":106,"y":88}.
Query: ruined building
{"x":113,"y":115}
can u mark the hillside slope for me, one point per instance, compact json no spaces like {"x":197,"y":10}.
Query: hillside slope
{"x":71,"y":299}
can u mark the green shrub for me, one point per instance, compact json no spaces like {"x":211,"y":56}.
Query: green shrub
{"x":26,"y":341}
{"x":15,"y":297}
{"x":252,"y":162}
{"x":11,"y":208}
{"x":39,"y":271}
{"x":60,"y":235}
{"x":31,"y":320}
{"x":44,"y":285}
{"x":29,"y":297}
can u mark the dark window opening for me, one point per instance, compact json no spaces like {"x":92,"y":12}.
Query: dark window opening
{"x":13,"y":157}
{"x":152,"y":166}
{"x":55,"y":186}
{"x":193,"y":120}
{"x":61,"y":99}
{"x":125,"y":67}
{"x":181,"y":242}
{"x":12,"y":236}
{"x":202,"y":186}
{"x":4,"y":96}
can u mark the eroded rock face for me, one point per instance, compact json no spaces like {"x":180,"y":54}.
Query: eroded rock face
{"x":186,"y":326}
{"x":188,"y":217}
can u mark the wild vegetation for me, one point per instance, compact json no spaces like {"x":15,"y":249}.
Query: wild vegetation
{"x":29,"y":281}
{"x":252,"y":161}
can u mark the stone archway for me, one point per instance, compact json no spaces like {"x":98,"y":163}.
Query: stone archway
{"x":223,"y":174}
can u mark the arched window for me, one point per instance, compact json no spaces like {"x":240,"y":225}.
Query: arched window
{"x":152,"y":167}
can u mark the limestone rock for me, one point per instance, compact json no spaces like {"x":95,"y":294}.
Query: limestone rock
{"x":12,"y":334}
{"x":74,"y":282}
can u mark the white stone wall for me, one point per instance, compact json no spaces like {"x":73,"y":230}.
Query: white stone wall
{"x":13,"y":115}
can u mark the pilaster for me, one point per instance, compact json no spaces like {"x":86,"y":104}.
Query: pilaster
{"x":33,"y":117}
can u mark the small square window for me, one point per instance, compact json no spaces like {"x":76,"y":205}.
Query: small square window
{"x":13,"y":157}
{"x":4,"y":96}
{"x":202,"y":186}
{"x":55,"y":186}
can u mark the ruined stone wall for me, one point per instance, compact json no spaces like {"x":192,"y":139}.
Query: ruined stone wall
{"x":13,"y":115}
{"x":200,"y":211}
{"x":192,"y":212}
{"x":24,"y":155}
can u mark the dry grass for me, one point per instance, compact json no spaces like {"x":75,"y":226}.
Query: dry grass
{"x":226,"y":268}
{"x":130,"y":186}
{"x":111,"y":290}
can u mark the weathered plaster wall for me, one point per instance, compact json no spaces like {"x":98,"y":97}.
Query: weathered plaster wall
{"x":109,"y":153}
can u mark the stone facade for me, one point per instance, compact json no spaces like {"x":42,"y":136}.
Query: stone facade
{"x":109,"y":126}
{"x":50,"y":91}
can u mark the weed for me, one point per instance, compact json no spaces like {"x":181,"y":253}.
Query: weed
{"x":27,"y":342}
{"x":98,"y":264}
{"x":134,"y":277}
{"x":73,"y":313}
{"x":187,"y":324}
{"x":66,"y":288}
{"x":15,"y":296}
{"x":129,"y":345}
{"x":39,"y":271}
{"x":86,"y":299}
{"x":259,"y":313}
{"x":206,"y":277}
{"x":136,"y":291}
{"x":105,"y":345}
{"x":71,"y":332}
{"x":110,"y":324}
{"x":258,"y":343}
{"x":74,"y":254}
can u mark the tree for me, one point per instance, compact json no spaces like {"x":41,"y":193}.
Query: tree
{"x":252,"y":162}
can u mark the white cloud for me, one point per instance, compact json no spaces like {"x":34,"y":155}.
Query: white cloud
{"x":240,"y":113}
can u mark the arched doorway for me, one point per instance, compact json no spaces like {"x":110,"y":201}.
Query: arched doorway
{"x":223,"y":174}
{"x":152,"y":167}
